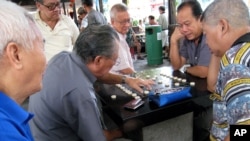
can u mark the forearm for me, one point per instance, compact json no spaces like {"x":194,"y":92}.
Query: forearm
{"x":127,"y":71}
{"x":213,"y":71}
{"x":175,"y":57}
{"x":134,"y":83}
{"x":199,"y":71}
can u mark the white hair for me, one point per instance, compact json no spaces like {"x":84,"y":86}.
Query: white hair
{"x":17,"y":26}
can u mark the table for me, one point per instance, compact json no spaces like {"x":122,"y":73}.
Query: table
{"x":150,"y":113}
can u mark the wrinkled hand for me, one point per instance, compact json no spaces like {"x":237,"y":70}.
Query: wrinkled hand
{"x":176,"y":35}
{"x":136,"y":83}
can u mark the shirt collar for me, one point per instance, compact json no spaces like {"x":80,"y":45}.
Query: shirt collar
{"x":242,"y":39}
{"x":14,"y":110}
{"x":77,"y":59}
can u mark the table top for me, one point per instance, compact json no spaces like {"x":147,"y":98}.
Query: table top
{"x":150,"y":113}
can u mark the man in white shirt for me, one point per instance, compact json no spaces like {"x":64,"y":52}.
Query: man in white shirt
{"x":120,"y":20}
{"x":163,"y":21}
{"x":60,"y":32}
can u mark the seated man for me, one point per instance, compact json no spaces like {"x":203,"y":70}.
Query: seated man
{"x":134,"y":43}
{"x":22,"y":64}
{"x":120,"y":20}
{"x":151,"y":20}
{"x":66,"y":108}
{"x":193,"y":48}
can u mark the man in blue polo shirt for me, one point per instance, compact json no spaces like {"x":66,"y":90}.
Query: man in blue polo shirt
{"x":187,"y":43}
{"x":22,"y":63}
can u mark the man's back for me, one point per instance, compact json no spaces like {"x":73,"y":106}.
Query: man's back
{"x":61,"y":106}
{"x":96,"y":18}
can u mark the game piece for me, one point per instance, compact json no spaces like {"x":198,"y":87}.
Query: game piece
{"x":137,"y":97}
{"x":177,"y":84}
{"x":146,"y":92}
{"x":192,"y":83}
{"x":113,"y":97}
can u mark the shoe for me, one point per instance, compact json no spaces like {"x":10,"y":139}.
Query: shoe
{"x":140,"y":58}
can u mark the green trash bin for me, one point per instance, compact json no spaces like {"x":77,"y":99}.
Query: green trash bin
{"x":154,"y":45}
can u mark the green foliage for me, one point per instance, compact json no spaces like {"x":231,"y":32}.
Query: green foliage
{"x":135,"y":23}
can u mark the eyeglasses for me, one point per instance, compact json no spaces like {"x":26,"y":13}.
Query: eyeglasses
{"x":124,"y":21}
{"x":52,"y":6}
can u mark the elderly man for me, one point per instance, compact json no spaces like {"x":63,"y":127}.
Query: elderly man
{"x":193,"y":48}
{"x":120,"y":20}
{"x":59,"y":31}
{"x":22,"y":64}
{"x":228,"y":36}
{"x":66,"y":108}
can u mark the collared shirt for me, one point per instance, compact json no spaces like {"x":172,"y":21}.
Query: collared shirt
{"x":66,"y":108}
{"x":124,"y":59}
{"x":61,"y":38}
{"x":13,"y":121}
{"x":196,"y":55}
{"x":232,"y":88}
{"x":96,"y":18}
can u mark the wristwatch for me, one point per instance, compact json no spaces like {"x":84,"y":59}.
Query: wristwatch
{"x":123,"y":79}
{"x":185,"y":69}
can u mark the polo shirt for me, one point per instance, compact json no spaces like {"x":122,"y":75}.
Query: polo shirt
{"x":96,"y":18}
{"x":13,"y":121}
{"x":196,"y":55}
{"x":66,"y":108}
{"x":61,"y":38}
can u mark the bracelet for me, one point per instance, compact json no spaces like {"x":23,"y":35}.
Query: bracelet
{"x":123,"y":79}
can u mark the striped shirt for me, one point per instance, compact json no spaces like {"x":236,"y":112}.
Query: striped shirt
{"x":232,"y":102}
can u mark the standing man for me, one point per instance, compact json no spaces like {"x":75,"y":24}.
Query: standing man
{"x":163,"y":21}
{"x":60,"y":31}
{"x":94,"y":17}
{"x":120,"y":20}
{"x":22,"y":63}
{"x":187,"y":43}
{"x":228,"y":36}
{"x":66,"y":108}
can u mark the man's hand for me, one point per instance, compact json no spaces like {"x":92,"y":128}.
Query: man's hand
{"x":176,"y":36}
{"x":136,"y":83}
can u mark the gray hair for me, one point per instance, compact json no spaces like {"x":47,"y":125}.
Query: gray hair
{"x":120,"y":7}
{"x":96,"y":40}
{"x":234,"y":11}
{"x":16,"y":26}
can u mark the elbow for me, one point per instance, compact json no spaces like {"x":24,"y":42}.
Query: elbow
{"x":210,"y":88}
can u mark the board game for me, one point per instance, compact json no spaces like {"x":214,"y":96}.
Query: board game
{"x":167,"y":88}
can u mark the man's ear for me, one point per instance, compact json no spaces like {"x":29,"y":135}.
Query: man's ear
{"x":13,"y":52}
{"x":224,"y":26}
{"x":98,"y":60}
